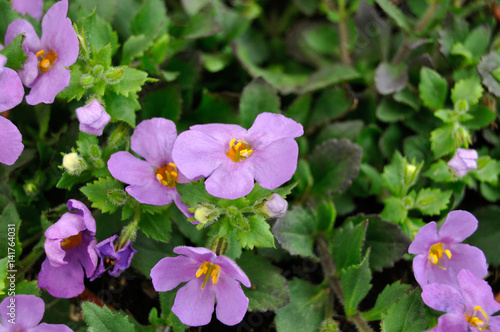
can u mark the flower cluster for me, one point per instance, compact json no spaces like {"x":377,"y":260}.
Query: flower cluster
{"x":450,"y":274}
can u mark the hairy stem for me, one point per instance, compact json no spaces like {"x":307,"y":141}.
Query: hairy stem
{"x":427,"y":16}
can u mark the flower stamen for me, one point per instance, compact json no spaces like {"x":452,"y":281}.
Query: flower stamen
{"x":479,"y":323}
{"x":436,"y":253}
{"x":71,"y":241}
{"x":46,"y":61}
{"x":210,"y":270}
{"x":167,"y":175}
{"x":239,"y":151}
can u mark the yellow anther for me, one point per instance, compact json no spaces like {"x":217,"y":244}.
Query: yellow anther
{"x":239,"y":151}
{"x":172,"y":165}
{"x":232,"y":142}
{"x":436,"y":253}
{"x":479,"y":323}
{"x":448,"y":253}
{"x":209,"y":270}
{"x":41,"y":52}
{"x":167,"y":175}
{"x":46,"y":61}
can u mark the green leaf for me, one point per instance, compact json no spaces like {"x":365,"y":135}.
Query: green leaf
{"x":299,"y":109}
{"x":396,"y":14}
{"x":257,"y":97}
{"x":432,"y":88}
{"x":202,"y":24}
{"x":122,"y":108}
{"x":487,"y":234}
{"x":157,"y":226}
{"x":67,"y":181}
{"x":391,"y":111}
{"x":99,"y":34}
{"x":332,"y":103}
{"x":387,"y":241}
{"x":14,"y":53}
{"x":131,"y":82}
{"x":103,"y":319}
{"x":258,"y":235}
{"x":165,"y":102}
{"x":486,"y":66}
{"x":431,"y":201}
{"x":389,"y":295}
{"x":306,"y":309}
{"x":469,"y":90}
{"x":269,"y":288}
{"x":194,"y":192}
{"x":3,"y":274}
{"x":346,"y":245}
{"x":151,"y":21}
{"x":407,"y":97}
{"x":406,"y":315}
{"x":440,"y":172}
{"x":329,"y":75}
{"x":9,"y":228}
{"x":487,"y":170}
{"x":295,"y":232}
{"x":97,"y":193}
{"x":334,"y":164}
{"x":400,"y":175}
{"x":75,"y":90}
{"x":483,"y":116}
{"x":326,"y":215}
{"x":389,"y":78}
{"x":355,"y":282}
{"x":394,"y":210}
{"x":134,"y":47}
{"x":443,"y":141}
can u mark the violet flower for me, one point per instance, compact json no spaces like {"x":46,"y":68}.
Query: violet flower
{"x":208,"y":276}
{"x":45,"y":69}
{"x":11,"y":88}
{"x":33,"y":8}
{"x":275,"y":206}
{"x":11,"y":138}
{"x":24,"y":313}
{"x":93,"y":118}
{"x":111,"y":260}
{"x":468,"y":307}
{"x":440,"y":255}
{"x":231,"y":157}
{"x":463,"y":161}
{"x":70,"y":249}
{"x":152,"y":181}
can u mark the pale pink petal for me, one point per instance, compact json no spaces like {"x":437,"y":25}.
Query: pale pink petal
{"x":12,"y":146}
{"x":153,"y":140}
{"x":232,"y":304}
{"x":47,"y":85}
{"x":169,"y":272}
{"x":194,"y":306}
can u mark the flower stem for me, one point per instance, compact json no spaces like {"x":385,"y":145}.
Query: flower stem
{"x":344,"y":34}
{"x":427,"y":16}
{"x":129,"y":232}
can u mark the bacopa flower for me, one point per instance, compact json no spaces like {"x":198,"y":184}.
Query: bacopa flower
{"x":33,"y":8}
{"x":231,"y":157}
{"x":93,"y":118}
{"x":152,"y":181}
{"x":11,"y":138}
{"x":468,"y":307}
{"x":208,"y":277}
{"x":440,"y":255}
{"x":275,"y":206}
{"x":70,"y":249}
{"x":45,"y":69}
{"x":11,"y":88}
{"x":24,"y":313}
{"x":112,"y":260}
{"x":463,"y":161}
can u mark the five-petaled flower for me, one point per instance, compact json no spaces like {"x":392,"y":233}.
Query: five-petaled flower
{"x":112,"y":259}
{"x":152,"y":181}
{"x":93,"y":118}
{"x":231,"y":157}
{"x":26,"y":315}
{"x":440,"y":255}
{"x":45,"y":69}
{"x":463,"y":161}
{"x":208,"y":277}
{"x":468,"y":307}
{"x":70,"y":249}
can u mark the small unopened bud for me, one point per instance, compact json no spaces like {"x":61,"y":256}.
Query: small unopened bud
{"x":463,"y":161}
{"x":93,"y":118}
{"x":113,"y":76}
{"x":87,"y":81}
{"x":205,"y":213}
{"x":275,"y":206}
{"x":73,"y":163}
{"x":98,"y":70}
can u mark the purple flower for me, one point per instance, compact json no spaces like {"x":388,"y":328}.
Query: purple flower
{"x":24,"y":313}
{"x":463,"y":161}
{"x":70,"y":249}
{"x":45,"y":69}
{"x":275,"y":206}
{"x":208,"y":276}
{"x":111,"y":260}
{"x":11,"y":139}
{"x":11,"y":88}
{"x":440,"y":255}
{"x":468,"y":307}
{"x":152,"y":181}
{"x":33,"y":8}
{"x":231,"y":157}
{"x":93,"y":118}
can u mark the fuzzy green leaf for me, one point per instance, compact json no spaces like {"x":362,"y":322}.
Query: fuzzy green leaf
{"x":346,"y":246}
{"x":103,"y":319}
{"x":257,"y":97}
{"x":406,"y":315}
{"x":258,"y":234}
{"x":443,"y":141}
{"x":355,"y":282}
{"x":157,"y":226}
{"x":469,"y":90}
{"x":432,"y":88}
{"x":14,"y":53}
{"x":431,"y":201}
{"x":131,"y":82}
{"x":389,"y":295}
{"x":97,"y":193}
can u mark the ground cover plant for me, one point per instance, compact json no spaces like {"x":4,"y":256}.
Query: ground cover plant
{"x":249,"y":165}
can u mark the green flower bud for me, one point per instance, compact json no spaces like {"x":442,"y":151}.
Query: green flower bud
{"x":113,"y":76}
{"x":73,"y":163}
{"x":205,"y":213}
{"x":87,"y":81}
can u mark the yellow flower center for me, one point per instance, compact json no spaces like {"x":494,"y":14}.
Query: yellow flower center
{"x":46,"y":61}
{"x":436,"y":253}
{"x":209,"y":270}
{"x":71,"y":241}
{"x":239,"y":150}
{"x":167,"y":175}
{"x":479,"y":318}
